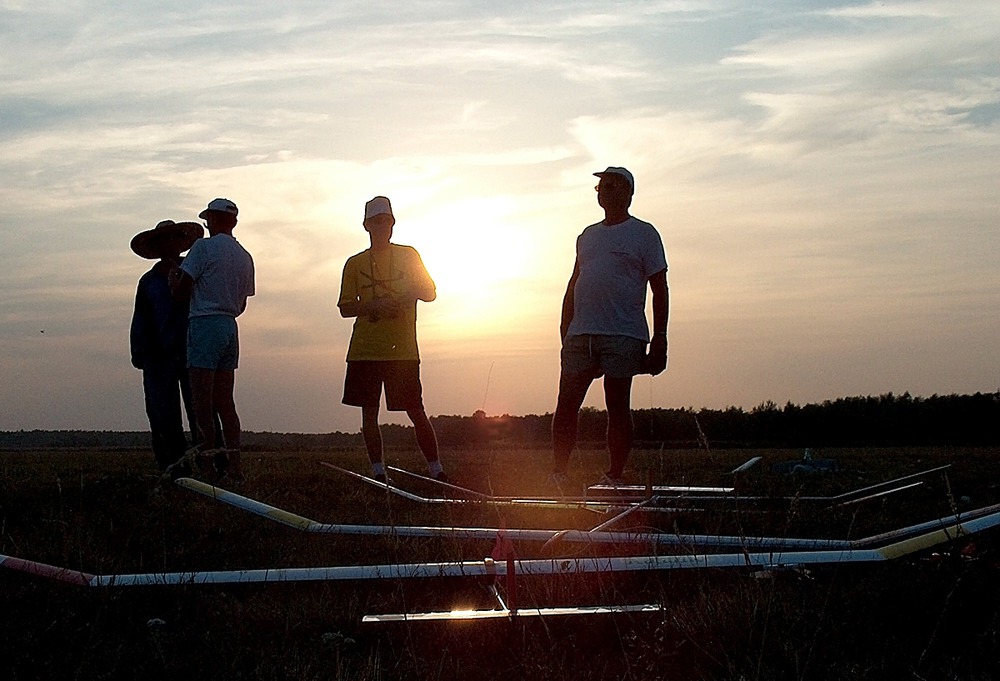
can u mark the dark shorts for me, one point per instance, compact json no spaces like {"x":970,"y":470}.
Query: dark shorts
{"x":364,"y":380}
{"x":595,"y":356}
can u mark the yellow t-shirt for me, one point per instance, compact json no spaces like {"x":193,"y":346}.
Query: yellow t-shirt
{"x":380,"y":274}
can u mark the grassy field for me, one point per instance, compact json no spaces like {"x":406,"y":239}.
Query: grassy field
{"x":926,"y":617}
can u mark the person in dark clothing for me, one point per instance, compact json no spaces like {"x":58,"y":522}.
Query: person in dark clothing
{"x":158,"y":339}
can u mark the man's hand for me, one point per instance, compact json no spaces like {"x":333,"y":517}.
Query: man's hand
{"x":656,"y":358}
{"x":382,"y":308}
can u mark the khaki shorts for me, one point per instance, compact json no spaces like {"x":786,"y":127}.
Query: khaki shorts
{"x":596,"y":356}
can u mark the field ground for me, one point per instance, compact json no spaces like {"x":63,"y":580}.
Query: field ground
{"x":927,"y":617}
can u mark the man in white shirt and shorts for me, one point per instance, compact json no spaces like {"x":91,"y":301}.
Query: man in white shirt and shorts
{"x":604,"y":329}
{"x":218,"y":275}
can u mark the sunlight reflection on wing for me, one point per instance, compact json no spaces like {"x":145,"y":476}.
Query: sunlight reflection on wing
{"x":465,"y":615}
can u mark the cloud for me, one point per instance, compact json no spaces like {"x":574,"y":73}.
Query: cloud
{"x":823,"y":174}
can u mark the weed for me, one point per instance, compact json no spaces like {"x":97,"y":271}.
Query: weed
{"x":100,"y":512}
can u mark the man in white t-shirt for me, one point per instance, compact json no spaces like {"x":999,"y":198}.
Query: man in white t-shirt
{"x":604,"y":329}
{"x":218,"y":275}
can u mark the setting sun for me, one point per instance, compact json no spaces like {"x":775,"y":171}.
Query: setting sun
{"x":476,"y":257}
{"x":823,"y":177}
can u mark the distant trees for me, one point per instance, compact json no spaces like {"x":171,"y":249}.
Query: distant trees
{"x":885,"y":420}
{"x":882,"y":421}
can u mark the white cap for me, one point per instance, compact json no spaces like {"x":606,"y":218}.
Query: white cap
{"x":615,"y":170}
{"x":220,"y":206}
{"x":378,"y":206}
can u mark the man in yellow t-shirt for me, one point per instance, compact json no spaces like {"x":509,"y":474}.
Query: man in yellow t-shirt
{"x":380,"y":289}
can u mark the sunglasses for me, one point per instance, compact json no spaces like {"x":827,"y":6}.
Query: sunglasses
{"x":613,"y":185}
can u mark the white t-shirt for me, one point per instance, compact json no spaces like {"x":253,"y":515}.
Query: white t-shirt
{"x":615,"y":264}
{"x":223,"y":276}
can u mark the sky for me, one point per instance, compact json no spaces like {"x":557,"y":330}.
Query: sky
{"x":824,"y":176}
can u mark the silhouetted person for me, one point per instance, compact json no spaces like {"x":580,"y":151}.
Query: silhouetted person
{"x":158,"y":339}
{"x":604,"y":329}
{"x":380,"y":288}
{"x":218,"y":276}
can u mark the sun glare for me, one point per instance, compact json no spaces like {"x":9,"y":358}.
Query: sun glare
{"x":476,"y":256}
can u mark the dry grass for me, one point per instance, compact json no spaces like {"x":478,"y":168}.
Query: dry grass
{"x":99,"y":512}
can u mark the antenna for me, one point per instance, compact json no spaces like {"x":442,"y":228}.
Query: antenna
{"x":488,"y":377}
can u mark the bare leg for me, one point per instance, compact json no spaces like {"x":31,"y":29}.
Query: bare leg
{"x":371,"y":433}
{"x":225,"y":405}
{"x":426,"y":438}
{"x":617,"y":398}
{"x":225,"y":409}
{"x":202,"y":396}
{"x":572,"y":390}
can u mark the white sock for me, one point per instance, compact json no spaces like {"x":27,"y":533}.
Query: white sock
{"x":435,"y":468}
{"x":378,"y":468}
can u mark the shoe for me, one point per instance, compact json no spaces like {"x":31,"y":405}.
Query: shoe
{"x":182,"y":468}
{"x":557,"y":479}
{"x":608,"y":481}
{"x":207,"y":460}
{"x":381,"y":477}
{"x":442,"y":477}
{"x":179,"y":469}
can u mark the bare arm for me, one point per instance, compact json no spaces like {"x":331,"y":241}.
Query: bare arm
{"x":569,"y":302}
{"x":427,"y":293}
{"x":657,"y":360}
{"x":137,"y":339}
{"x":352,"y":308}
{"x":421,"y":286}
{"x":421,"y":289}
{"x":661,"y":302}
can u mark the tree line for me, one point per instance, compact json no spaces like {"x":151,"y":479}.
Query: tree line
{"x":883,"y":421}
{"x":874,"y":421}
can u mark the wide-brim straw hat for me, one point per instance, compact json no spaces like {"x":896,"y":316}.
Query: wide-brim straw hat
{"x":148,"y":244}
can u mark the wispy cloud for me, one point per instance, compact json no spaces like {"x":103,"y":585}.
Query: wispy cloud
{"x":823,"y":173}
